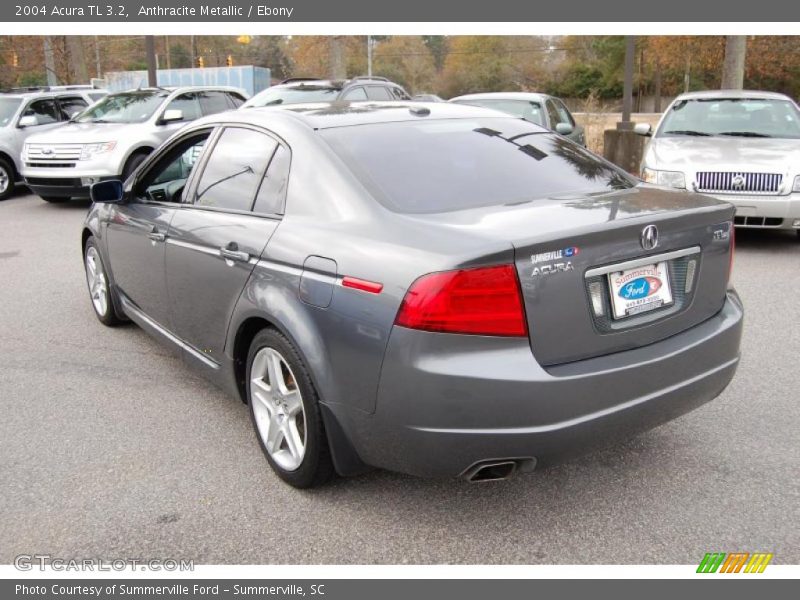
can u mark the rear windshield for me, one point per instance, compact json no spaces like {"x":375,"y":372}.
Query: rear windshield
{"x":294,"y":95}
{"x":456,"y":164}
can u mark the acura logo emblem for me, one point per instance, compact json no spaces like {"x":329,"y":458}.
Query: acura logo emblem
{"x":649,"y":237}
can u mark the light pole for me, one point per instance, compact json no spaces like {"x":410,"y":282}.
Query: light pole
{"x":369,"y":56}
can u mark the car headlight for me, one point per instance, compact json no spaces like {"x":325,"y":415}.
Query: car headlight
{"x":673,"y":179}
{"x":796,"y":186}
{"x":90,"y":150}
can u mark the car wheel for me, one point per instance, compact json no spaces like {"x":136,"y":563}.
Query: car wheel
{"x":55,"y":199}
{"x":6,"y":179}
{"x":132,"y":164}
{"x":284,"y":408}
{"x":97,"y":280}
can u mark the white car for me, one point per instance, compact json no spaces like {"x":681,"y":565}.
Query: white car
{"x":111,"y":139}
{"x":26,"y":111}
{"x":739,"y":146}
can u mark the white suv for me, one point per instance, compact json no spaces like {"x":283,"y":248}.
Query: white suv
{"x":111,"y":139}
{"x":26,"y":111}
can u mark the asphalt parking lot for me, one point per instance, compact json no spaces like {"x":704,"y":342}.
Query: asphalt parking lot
{"x":112,"y":448}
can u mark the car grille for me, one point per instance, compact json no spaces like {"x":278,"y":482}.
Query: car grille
{"x":51,"y":165}
{"x":758,"y":221}
{"x":739,"y":183}
{"x":46,"y":153}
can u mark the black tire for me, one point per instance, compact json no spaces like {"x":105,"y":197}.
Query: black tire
{"x":133,"y":163}
{"x":316,"y":467}
{"x":55,"y":199}
{"x":7,"y":179}
{"x":109,"y":317}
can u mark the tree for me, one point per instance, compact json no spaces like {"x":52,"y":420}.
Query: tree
{"x":407,"y":60}
{"x":733,"y":65}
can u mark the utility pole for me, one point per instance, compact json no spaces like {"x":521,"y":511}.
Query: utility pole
{"x":627,"y":86}
{"x":77,"y":59}
{"x":369,"y":56}
{"x":193,"y":50}
{"x":166,"y":50}
{"x":337,"y":58}
{"x":97,"y":67}
{"x":733,"y":65}
{"x":150,"y":51}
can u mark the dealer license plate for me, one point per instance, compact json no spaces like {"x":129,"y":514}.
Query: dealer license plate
{"x":635,"y":291}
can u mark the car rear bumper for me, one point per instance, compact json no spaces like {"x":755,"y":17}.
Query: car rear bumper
{"x":448,"y":402}
{"x":770,"y":212}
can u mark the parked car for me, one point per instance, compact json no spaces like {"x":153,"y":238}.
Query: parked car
{"x":739,"y":146}
{"x":111,"y":139}
{"x":427,"y":98}
{"x":26,"y":111}
{"x":435,"y":289}
{"x":308,"y":89}
{"x":541,"y":109}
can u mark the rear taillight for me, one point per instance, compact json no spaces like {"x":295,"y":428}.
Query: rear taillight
{"x":480,"y":301}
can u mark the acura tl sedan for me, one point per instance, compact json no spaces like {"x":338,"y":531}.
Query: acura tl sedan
{"x":738,"y":146}
{"x":435,"y":289}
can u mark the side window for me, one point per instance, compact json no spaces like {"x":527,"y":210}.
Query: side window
{"x":166,"y":179}
{"x":235,"y":99}
{"x":400,"y":93}
{"x":377,"y":92}
{"x":45,"y":111}
{"x":272,"y":193}
{"x":355,"y":94}
{"x":213,"y":102}
{"x":566,"y":117}
{"x":234,"y":170}
{"x":552,"y":114}
{"x":71,"y":106}
{"x":188,"y":104}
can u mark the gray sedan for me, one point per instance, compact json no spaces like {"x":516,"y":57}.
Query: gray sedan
{"x":435,"y":289}
{"x":541,"y":109}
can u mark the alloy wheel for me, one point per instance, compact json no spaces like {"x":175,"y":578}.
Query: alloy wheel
{"x":278,"y":409}
{"x":4,"y":180}
{"x":96,"y":278}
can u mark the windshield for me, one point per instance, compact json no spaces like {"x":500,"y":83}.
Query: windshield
{"x":8,"y":108}
{"x":128,"y":107}
{"x":737,"y":117}
{"x":524,"y":109}
{"x":293,"y":95}
{"x":455,"y":164}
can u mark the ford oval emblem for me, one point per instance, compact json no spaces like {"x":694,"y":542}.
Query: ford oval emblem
{"x":649,"y":239}
{"x":641,"y":287}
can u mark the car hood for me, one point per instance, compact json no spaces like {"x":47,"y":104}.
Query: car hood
{"x":86,"y":133}
{"x":723,"y":153}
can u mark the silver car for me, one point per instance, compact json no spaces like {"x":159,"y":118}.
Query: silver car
{"x":541,"y":109}
{"x":114,"y":136}
{"x":739,"y":146}
{"x":26,"y":112}
{"x":436,"y":289}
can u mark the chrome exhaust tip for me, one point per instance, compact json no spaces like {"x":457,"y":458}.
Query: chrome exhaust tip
{"x":490,"y":471}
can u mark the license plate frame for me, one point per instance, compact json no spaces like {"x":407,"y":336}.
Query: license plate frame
{"x":640,"y":290}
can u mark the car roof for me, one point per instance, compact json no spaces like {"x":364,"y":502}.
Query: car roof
{"x":750,"y":94}
{"x":333,"y":83}
{"x":45,"y":93}
{"x":325,"y":115}
{"x":182,"y":89}
{"x":502,"y":96}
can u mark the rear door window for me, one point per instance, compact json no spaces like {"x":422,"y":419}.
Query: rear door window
{"x":378,"y":92}
{"x":235,"y":99}
{"x":234,"y":170}
{"x":71,"y":106}
{"x":272,"y":193}
{"x":213,"y":102}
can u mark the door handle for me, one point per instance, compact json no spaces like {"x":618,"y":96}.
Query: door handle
{"x":156,"y":235}
{"x":237,"y":255}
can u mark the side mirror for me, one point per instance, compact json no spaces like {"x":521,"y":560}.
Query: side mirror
{"x":643,"y":129}
{"x":28,"y":121}
{"x":109,"y":191}
{"x":172,"y":115}
{"x":564,"y":128}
